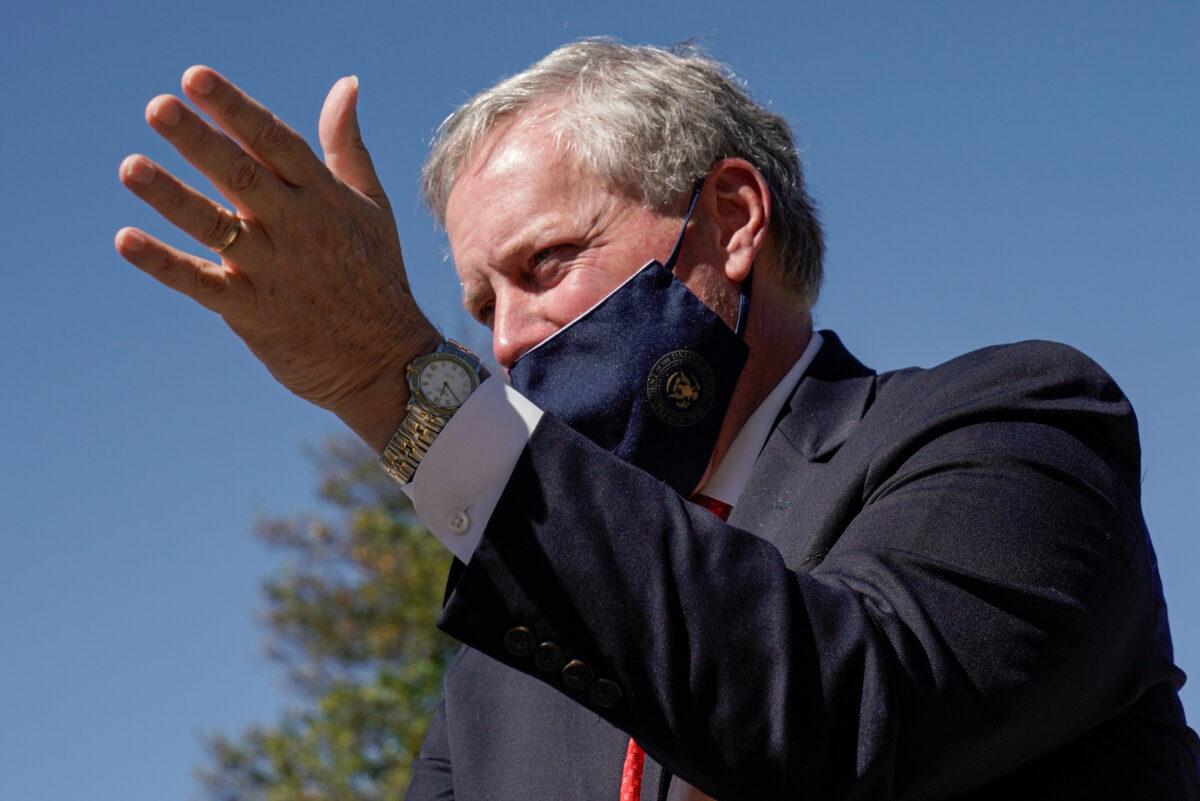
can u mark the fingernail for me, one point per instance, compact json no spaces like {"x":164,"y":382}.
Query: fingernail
{"x":201,"y":81}
{"x":132,"y":241}
{"x":139,"y":171}
{"x":355,"y":79}
{"x":167,"y":113}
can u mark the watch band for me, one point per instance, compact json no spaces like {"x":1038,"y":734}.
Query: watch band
{"x":422,"y":423}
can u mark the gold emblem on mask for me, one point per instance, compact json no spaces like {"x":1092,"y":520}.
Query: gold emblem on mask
{"x":680,"y":388}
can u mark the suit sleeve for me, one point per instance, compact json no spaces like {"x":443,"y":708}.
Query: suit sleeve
{"x":952,"y":631}
{"x":460,"y":479}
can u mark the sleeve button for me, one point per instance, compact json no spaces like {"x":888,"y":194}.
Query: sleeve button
{"x":549,"y":657}
{"x":604,"y":693}
{"x":578,"y":675}
{"x":519,"y":641}
{"x":458,"y":521}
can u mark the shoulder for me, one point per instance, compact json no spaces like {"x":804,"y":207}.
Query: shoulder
{"x":1034,"y":375}
{"x":1020,"y":369}
{"x":1049,"y":385}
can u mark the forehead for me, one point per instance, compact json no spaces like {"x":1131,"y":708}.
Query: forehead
{"x":517,"y":182}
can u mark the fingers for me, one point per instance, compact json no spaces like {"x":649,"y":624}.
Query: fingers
{"x":263,"y":134}
{"x":212,"y":285}
{"x":193,"y":213}
{"x":345,"y":154}
{"x":246,"y":183}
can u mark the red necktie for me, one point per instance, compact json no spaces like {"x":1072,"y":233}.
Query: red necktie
{"x":635,"y":757}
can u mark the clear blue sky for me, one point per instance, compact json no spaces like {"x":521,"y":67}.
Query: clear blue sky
{"x":986,"y":174}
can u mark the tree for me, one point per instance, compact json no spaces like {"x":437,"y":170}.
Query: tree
{"x":352,"y":618}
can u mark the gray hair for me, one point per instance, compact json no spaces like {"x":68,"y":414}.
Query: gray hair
{"x":651,"y":121}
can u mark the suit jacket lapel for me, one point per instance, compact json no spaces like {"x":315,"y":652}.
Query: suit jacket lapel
{"x":829,"y":401}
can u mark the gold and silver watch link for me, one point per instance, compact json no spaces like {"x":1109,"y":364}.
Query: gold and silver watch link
{"x":438,"y":384}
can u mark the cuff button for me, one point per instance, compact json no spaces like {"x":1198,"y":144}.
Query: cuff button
{"x":549,"y":657}
{"x":458,"y":521}
{"x":578,"y":675}
{"x":519,"y":641}
{"x":604,"y":693}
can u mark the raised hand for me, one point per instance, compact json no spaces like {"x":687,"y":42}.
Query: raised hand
{"x":311,"y":275}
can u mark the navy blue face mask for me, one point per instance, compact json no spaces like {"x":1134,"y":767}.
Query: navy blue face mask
{"x":647,"y":373}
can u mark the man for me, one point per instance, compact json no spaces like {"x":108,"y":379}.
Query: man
{"x":931,"y":584}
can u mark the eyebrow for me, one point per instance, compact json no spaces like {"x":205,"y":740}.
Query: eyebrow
{"x":526,"y":239}
{"x":521,"y":241}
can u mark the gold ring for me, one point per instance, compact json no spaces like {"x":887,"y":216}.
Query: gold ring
{"x":231,"y":236}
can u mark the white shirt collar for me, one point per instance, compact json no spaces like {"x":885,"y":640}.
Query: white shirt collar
{"x":732,"y":474}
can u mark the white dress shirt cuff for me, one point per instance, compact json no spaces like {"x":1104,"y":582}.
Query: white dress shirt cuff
{"x":461,"y":477}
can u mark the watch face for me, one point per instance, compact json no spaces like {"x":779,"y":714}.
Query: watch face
{"x":445,"y":382}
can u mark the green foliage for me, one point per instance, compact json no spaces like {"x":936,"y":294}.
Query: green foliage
{"x":351,"y":616}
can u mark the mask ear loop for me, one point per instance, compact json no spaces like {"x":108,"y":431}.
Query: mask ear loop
{"x":743,"y":317}
{"x":687,"y":218}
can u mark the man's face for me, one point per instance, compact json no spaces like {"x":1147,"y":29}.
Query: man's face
{"x":537,"y":241}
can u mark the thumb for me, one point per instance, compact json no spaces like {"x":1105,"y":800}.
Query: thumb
{"x":345,"y":154}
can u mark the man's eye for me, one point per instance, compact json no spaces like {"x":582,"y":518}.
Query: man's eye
{"x":548,"y":265}
{"x":542,"y":255}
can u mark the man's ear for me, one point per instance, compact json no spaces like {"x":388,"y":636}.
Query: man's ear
{"x":739,"y":203}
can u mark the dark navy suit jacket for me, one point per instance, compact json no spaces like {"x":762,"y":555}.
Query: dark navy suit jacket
{"x":937,"y":584}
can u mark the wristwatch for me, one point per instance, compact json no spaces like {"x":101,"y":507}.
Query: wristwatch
{"x":438,"y":384}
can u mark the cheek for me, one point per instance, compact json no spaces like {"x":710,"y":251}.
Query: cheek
{"x":586,"y":285}
{"x":576,"y":294}
{"x":527,"y":315}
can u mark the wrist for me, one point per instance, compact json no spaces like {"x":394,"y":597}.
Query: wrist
{"x":439,"y":382}
{"x":377,"y":410}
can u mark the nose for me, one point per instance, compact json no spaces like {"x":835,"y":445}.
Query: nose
{"x":515,"y":329}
